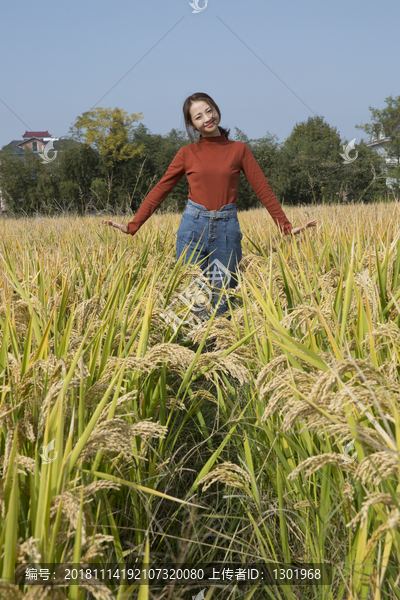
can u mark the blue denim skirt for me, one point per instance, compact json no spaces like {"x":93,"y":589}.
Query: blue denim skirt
{"x":212,"y":239}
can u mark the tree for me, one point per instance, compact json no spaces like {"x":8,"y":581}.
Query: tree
{"x":387,"y":118}
{"x":79,"y":166}
{"x":364,"y":178}
{"x":19,"y":177}
{"x":109,"y":131}
{"x":309,"y":162}
{"x":387,"y":121}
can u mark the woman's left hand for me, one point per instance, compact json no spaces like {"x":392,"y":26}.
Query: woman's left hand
{"x":296,"y":230}
{"x":123,"y":228}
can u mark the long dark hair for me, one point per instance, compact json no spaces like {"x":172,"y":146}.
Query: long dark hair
{"x":190,"y":128}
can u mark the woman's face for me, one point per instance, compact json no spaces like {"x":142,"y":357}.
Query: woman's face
{"x":202,"y":114}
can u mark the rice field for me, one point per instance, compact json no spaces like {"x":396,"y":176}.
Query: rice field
{"x":127,"y":440}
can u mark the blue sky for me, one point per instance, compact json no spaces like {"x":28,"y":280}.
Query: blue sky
{"x":58,"y":59}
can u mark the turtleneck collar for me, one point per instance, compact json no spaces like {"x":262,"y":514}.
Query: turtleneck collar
{"x":213,"y":139}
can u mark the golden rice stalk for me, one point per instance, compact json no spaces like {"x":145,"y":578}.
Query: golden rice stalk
{"x":348,"y":500}
{"x":393,"y":522}
{"x":132,"y":364}
{"x":70,"y":508}
{"x":23,"y":385}
{"x":28,"y":425}
{"x":95,"y":486}
{"x":203,"y":394}
{"x":177,"y":403}
{"x":27,"y":551}
{"x":119,"y":405}
{"x":230,"y":365}
{"x":146,"y":429}
{"x":21,"y":313}
{"x":375,"y":498}
{"x":222,"y":330}
{"x":305,"y":311}
{"x":178,"y":357}
{"x":328,"y":380}
{"x":366,"y":435}
{"x":390,"y":367}
{"x":45,"y":592}
{"x":348,"y":491}
{"x":366,"y":399}
{"x":58,"y":365}
{"x":10,"y":591}
{"x":294,"y":411}
{"x":377,"y":467}
{"x":85,"y":309}
{"x":96,"y":547}
{"x":50,"y":399}
{"x":279,"y":364}
{"x":280,"y":391}
{"x":389,"y":330}
{"x":313,"y":463}
{"x":54,"y":300}
{"x":26,"y":462}
{"x":115,"y":436}
{"x":52,"y":367}
{"x":227,"y":473}
{"x":364,"y":282}
{"x":112,"y":436}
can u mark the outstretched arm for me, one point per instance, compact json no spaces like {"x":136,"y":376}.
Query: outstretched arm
{"x":175,"y":172}
{"x":263,"y":191}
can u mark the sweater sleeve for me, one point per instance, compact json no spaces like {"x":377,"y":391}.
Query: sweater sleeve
{"x":264,"y":193}
{"x":160,"y":191}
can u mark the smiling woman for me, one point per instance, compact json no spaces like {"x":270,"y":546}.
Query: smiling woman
{"x":212,"y":163}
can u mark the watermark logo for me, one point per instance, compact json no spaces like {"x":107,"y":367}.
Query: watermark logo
{"x":46,"y":450}
{"x":347,"y":449}
{"x":200,"y":595}
{"x":198,"y":295}
{"x":347,"y":149}
{"x":196,"y":7}
{"x":44,"y":155}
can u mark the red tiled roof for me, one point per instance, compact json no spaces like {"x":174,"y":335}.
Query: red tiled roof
{"x":39,"y":134}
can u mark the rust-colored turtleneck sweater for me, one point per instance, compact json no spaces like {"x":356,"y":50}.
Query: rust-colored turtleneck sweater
{"x":212,"y":166}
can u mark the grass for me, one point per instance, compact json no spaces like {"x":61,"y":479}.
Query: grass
{"x":280,"y":446}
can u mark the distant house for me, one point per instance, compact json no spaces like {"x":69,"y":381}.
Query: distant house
{"x":35,"y":141}
{"x":379,"y":139}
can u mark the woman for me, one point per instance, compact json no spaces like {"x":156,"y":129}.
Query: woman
{"x":209,"y":224}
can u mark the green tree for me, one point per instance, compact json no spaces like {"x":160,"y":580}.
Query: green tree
{"x":309,"y":163}
{"x":110,"y":132}
{"x":79,"y":165}
{"x":363,"y":179}
{"x":19,"y":176}
{"x":387,"y":121}
{"x":387,"y":118}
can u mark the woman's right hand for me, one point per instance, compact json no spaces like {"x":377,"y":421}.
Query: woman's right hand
{"x":297,"y":230}
{"x":117,"y":225}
